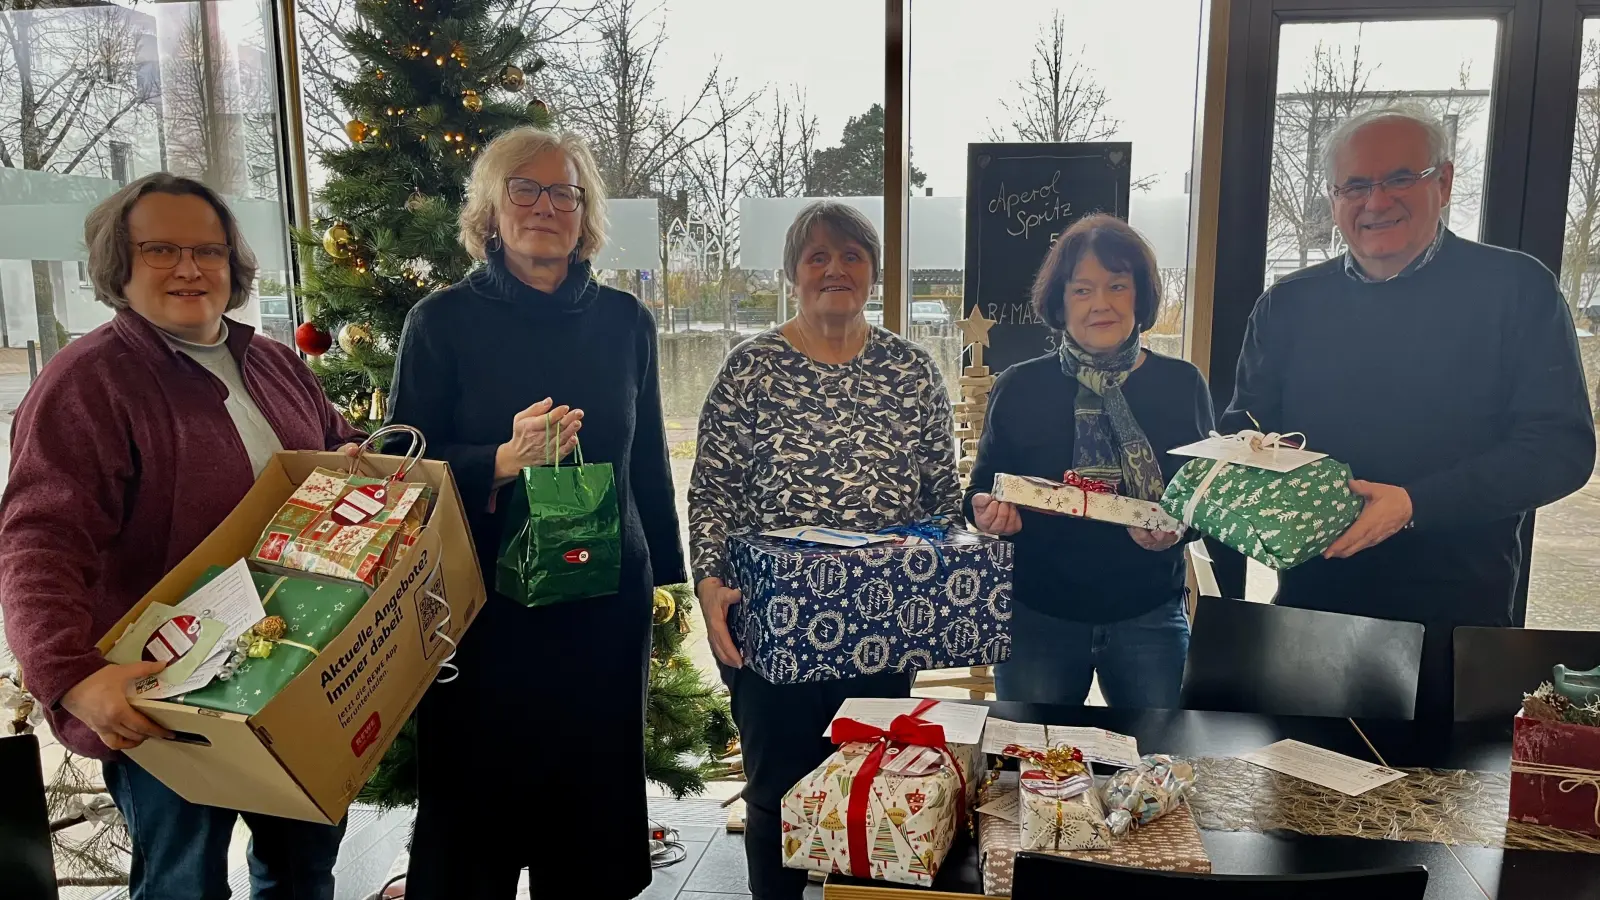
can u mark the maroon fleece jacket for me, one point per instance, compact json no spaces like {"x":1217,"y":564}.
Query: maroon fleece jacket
{"x":123,"y":458}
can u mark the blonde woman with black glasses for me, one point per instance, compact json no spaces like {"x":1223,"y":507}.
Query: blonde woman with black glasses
{"x":534,"y":757}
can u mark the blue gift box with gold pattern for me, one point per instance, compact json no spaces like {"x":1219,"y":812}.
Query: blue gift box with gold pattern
{"x":812,"y":612}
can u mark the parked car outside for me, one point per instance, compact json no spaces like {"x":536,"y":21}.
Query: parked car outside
{"x":929,"y":312}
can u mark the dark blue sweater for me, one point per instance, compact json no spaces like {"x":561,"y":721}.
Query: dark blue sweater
{"x":1460,"y":382}
{"x":1073,"y":568}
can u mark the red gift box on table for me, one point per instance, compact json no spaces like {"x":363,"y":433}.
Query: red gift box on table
{"x":1555,"y":775}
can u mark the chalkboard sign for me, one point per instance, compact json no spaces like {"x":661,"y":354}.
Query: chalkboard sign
{"x":1019,"y":198}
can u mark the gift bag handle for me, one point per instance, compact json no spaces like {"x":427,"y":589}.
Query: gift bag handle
{"x":552,"y":444}
{"x":414,"y":454}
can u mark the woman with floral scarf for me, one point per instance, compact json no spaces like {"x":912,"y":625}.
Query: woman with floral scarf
{"x":1093,"y":596}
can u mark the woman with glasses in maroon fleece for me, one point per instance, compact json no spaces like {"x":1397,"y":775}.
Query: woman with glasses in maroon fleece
{"x":135,"y":442}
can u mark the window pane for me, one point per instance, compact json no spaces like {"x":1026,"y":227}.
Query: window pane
{"x":1560,"y":589}
{"x":992,"y":77}
{"x":1328,"y":72}
{"x":185,"y":87}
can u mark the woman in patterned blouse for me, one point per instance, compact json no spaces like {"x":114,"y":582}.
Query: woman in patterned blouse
{"x":823,"y":421}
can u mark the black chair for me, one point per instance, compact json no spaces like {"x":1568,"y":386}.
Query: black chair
{"x":1494,"y":667}
{"x":27,"y":865}
{"x":1259,"y":658}
{"x":1042,"y":876}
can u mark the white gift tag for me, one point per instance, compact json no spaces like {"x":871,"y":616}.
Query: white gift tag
{"x":361,"y":504}
{"x":835,"y":537}
{"x":1232,"y":449}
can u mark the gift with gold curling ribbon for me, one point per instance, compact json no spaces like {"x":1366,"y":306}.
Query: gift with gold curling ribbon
{"x":303,"y":615}
{"x":1060,"y":808}
{"x":886,"y":805}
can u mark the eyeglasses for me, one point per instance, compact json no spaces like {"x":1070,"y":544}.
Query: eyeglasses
{"x":1361,"y":191}
{"x":526,"y":191}
{"x":162,"y":255}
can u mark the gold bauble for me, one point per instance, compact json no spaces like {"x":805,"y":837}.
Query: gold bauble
{"x":538,"y":108}
{"x":354,"y":336}
{"x":664,"y":607}
{"x":380,"y":404}
{"x":415,"y":201}
{"x":358,"y":409}
{"x":471,"y":100}
{"x":356,"y":130}
{"x":336,"y":241}
{"x":511,"y":78}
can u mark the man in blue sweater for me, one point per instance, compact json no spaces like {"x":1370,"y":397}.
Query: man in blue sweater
{"x":1443,"y":371}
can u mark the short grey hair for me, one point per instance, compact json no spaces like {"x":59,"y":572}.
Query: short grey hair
{"x":105,"y":233}
{"x":1438,"y":138}
{"x":842,"y":219}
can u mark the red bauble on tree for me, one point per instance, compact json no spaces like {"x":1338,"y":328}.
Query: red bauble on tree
{"x":311,"y":340}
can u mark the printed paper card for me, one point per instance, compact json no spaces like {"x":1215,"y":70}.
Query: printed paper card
{"x":1345,"y":774}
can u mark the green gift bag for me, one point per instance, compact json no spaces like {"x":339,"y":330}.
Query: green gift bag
{"x":314,"y":611}
{"x":1280,"y":519}
{"x":563,"y":534}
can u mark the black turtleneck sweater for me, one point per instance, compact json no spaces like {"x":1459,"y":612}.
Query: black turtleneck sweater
{"x":1460,"y":381}
{"x":475,"y":354}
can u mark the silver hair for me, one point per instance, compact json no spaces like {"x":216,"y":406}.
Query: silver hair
{"x":842,"y":219}
{"x":1438,"y":138}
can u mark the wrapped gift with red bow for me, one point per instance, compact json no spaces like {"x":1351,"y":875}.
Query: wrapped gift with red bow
{"x":1086,"y":498}
{"x":886,"y":805}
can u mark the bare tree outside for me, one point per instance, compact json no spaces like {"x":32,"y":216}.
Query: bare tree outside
{"x":1333,"y":88}
{"x":1060,"y":100}
{"x":71,"y":79}
{"x":782,"y":141}
{"x":1579,"y":255}
{"x":200,"y":103}
{"x":609,"y":94}
{"x":716,"y":172}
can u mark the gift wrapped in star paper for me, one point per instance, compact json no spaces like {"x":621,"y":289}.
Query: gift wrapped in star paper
{"x":1085,"y":498}
{"x":886,"y":805}
{"x":1278,"y":518}
{"x":934,"y":599}
{"x":313,"y":611}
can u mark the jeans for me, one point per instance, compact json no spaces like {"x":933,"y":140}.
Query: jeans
{"x":180,"y":849}
{"x":1140,"y":660}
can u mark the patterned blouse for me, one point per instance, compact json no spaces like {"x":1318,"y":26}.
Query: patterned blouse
{"x":788,"y":441}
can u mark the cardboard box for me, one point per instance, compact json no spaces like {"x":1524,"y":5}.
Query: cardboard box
{"x":309,"y":752}
{"x":1569,"y":800}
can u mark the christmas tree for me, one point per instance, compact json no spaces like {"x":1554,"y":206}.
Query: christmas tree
{"x":436,"y":81}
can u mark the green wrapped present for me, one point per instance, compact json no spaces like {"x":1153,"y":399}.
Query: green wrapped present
{"x":1280,"y":519}
{"x":313,"y":610}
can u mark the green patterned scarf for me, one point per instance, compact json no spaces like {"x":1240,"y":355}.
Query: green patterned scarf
{"x":1107,"y":442}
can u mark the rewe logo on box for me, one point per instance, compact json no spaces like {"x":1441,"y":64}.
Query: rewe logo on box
{"x":367,"y":735}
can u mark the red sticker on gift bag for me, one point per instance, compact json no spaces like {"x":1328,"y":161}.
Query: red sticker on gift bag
{"x":577,"y":557}
{"x":361,"y":504}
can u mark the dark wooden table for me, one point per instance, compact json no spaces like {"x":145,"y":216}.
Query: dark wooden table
{"x":1454,"y":873}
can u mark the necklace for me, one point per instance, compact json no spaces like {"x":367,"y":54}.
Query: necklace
{"x":841,"y":454}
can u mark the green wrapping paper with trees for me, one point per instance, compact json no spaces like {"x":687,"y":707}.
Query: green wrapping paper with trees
{"x":1280,"y":519}
{"x":314,"y":611}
